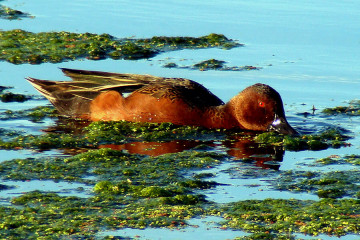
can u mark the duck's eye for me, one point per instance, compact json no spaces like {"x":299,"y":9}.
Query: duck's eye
{"x":261,"y":104}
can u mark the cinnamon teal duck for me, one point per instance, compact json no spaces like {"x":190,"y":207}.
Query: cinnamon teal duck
{"x":104,"y":96}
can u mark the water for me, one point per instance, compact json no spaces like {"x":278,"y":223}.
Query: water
{"x":308,"y":51}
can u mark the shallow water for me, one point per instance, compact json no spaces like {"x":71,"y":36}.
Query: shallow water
{"x":308,"y":51}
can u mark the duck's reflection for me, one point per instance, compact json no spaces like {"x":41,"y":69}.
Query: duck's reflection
{"x":242,"y":146}
{"x":265,"y":156}
{"x":262,"y":156}
{"x":154,"y":148}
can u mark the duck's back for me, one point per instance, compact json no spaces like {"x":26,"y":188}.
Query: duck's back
{"x":74,"y":98}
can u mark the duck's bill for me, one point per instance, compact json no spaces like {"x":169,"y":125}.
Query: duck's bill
{"x":280,"y":125}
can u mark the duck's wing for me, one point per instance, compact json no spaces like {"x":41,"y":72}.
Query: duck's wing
{"x":73,"y":98}
{"x":192,"y":92}
{"x":88,"y":84}
{"x":108,"y":80}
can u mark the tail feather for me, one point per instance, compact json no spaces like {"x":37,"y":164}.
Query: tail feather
{"x":73,"y":98}
{"x":61,"y":96}
{"x":43,"y":86}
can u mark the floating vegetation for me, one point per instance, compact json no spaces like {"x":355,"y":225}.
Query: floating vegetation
{"x":267,"y":236}
{"x":6,"y":96}
{"x":277,"y":216}
{"x":178,"y":43}
{"x":12,"y":14}
{"x":113,"y":165}
{"x":353,"y":109}
{"x":36,"y":114}
{"x":336,"y":159}
{"x":333,"y":184}
{"x":98,"y":133}
{"x":139,"y":191}
{"x":19,"y":46}
{"x":129,"y":191}
{"x":329,"y":138}
{"x":106,"y":132}
{"x":212,"y":64}
{"x":13,"y":97}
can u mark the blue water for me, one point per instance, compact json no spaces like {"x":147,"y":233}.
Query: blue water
{"x":307,"y":50}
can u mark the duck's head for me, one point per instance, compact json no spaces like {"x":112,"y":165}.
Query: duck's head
{"x":260,"y":108}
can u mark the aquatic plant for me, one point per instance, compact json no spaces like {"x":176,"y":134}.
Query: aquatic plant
{"x":353,"y":109}
{"x":328,"y":138}
{"x":129,"y":191}
{"x":334,"y":184}
{"x":278,"y":216}
{"x":139,"y":191}
{"x":6,"y":96}
{"x":12,"y":14}
{"x":211,"y":64}
{"x":19,"y":46}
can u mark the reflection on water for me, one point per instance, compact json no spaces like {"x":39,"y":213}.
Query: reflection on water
{"x":239,"y":148}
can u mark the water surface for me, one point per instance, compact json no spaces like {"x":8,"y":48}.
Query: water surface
{"x":308,"y":51}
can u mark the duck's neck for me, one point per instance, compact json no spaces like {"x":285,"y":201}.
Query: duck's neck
{"x":220,"y":117}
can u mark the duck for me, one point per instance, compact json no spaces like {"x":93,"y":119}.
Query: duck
{"x":107,"y":96}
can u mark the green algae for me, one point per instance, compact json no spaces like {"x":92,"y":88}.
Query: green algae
{"x":336,"y":159}
{"x":156,"y":193}
{"x":266,"y":236}
{"x":106,"y":132}
{"x":19,"y":46}
{"x":6,"y":96}
{"x":12,"y":14}
{"x":273,"y":216}
{"x":328,"y":138}
{"x":113,"y":165}
{"x":98,"y":133}
{"x":13,"y":97}
{"x":353,"y":109}
{"x":211,"y":64}
{"x":334,"y":184}
{"x":139,"y":191}
{"x":353,"y":159}
{"x":178,"y":43}
{"x":44,"y":142}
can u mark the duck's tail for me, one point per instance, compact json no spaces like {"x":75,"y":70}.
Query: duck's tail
{"x":73,"y":98}
{"x":63,"y":96}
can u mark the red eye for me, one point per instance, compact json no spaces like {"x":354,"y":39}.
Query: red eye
{"x":261,"y":104}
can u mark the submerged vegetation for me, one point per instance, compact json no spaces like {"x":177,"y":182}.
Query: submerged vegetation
{"x":128,"y":191}
{"x":19,"y":46}
{"x":6,"y":96}
{"x":12,"y":14}
{"x":329,"y":138}
{"x":212,"y":64}
{"x":333,"y":184}
{"x":353,"y":109}
{"x":140,"y":191}
{"x":277,"y":216}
